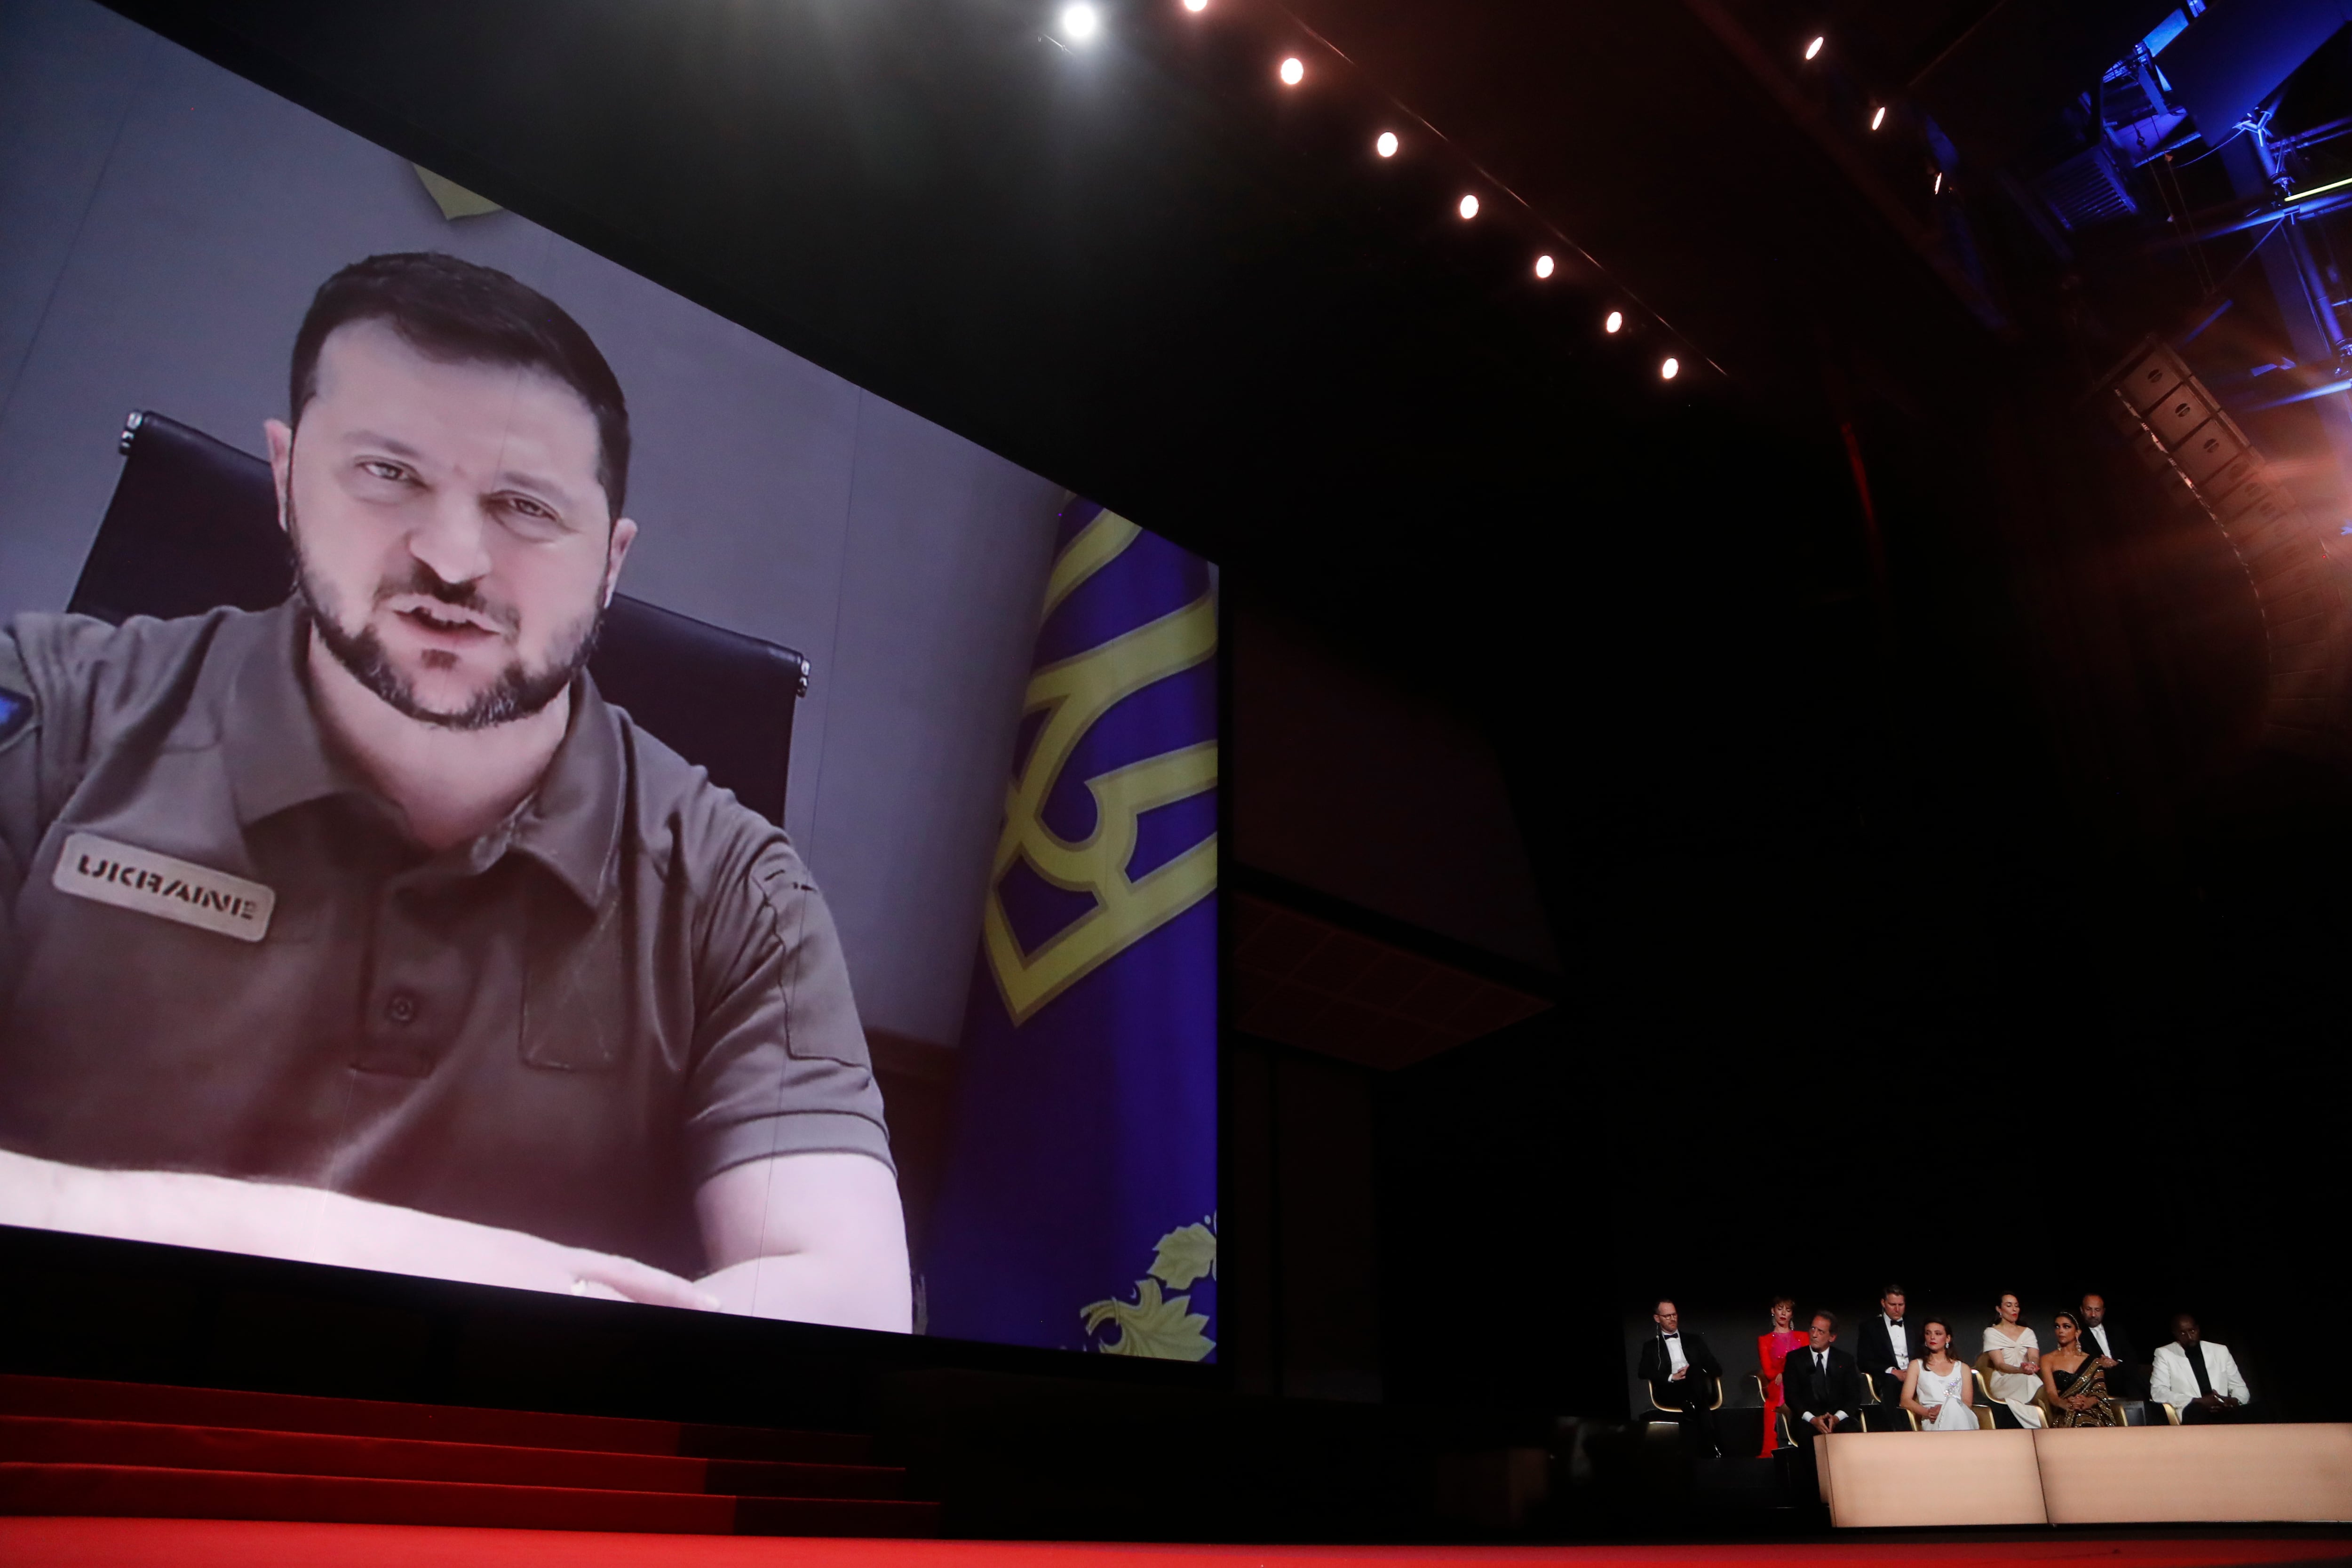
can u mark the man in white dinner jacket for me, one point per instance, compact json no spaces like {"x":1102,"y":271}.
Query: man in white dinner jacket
{"x":2197,"y":1377}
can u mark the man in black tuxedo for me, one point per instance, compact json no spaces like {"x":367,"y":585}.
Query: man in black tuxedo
{"x":1683,"y":1376}
{"x":1889,"y":1343}
{"x":2128,"y":1378}
{"x":1821,"y":1388}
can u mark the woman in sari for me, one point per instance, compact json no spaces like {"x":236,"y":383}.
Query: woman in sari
{"x":2077,"y":1381}
{"x":1772,"y":1353}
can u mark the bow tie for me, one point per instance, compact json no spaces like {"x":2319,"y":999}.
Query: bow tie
{"x":1674,"y":1336}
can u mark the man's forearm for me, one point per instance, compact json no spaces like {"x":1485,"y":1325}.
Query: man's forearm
{"x":810,"y":1288}
{"x":311,"y":1224}
{"x":175,"y":1206}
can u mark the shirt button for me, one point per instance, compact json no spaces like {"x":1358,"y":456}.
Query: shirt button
{"x":400,"y":1007}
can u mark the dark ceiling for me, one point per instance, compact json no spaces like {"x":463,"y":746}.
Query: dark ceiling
{"x":1144,"y":269}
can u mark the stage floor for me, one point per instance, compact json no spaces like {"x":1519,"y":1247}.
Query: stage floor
{"x":236,"y":1543}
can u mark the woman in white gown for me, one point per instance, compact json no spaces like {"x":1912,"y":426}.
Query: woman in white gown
{"x":2016,"y":1376}
{"x":1936,"y":1388}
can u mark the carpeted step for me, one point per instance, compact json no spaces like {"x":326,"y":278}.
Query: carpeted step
{"x":45,"y":1440}
{"x":132,"y":1490}
{"x":162,"y":1403}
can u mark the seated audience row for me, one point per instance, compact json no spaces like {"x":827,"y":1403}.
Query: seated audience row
{"x":1912,"y":1362}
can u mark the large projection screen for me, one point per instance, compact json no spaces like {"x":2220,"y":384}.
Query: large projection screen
{"x":356,"y":927}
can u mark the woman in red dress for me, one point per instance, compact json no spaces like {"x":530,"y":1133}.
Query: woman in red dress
{"x":1771,"y":1351}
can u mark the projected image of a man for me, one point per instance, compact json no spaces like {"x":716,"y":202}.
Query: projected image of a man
{"x":519,"y":997}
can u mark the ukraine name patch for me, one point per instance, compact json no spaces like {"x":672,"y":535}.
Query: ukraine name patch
{"x":129,"y":878}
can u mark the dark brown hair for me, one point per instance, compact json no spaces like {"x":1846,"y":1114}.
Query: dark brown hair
{"x":457,"y":313}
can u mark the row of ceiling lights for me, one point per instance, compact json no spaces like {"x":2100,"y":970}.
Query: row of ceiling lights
{"x":1081,"y":22}
{"x":1813,"y":48}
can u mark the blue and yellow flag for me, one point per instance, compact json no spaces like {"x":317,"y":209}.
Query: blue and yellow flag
{"x":1079,"y":1204}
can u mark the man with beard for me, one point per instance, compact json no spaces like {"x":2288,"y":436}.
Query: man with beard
{"x":362,"y":930}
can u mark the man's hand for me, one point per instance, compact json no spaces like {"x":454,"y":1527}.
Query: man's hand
{"x":2211,"y":1401}
{"x":2109,"y":1361}
{"x":1677,"y":1375}
{"x":1825,"y":1425}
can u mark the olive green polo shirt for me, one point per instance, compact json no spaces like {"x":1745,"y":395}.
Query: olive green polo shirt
{"x":247,"y":967}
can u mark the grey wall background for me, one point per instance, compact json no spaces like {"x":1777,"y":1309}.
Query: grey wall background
{"x":162,"y":225}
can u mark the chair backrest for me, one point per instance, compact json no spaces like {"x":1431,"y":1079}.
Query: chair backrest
{"x":194,"y":525}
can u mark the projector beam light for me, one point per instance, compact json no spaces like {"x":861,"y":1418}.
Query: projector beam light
{"x":1672,"y":368}
{"x":1293,"y":71}
{"x":1387,"y":145}
{"x":1543,"y":266}
{"x":1196,"y":6}
{"x":1814,"y":48}
{"x":1079,"y":22}
{"x":1615,"y":321}
{"x":1469,"y":208}
{"x":1878,"y":116}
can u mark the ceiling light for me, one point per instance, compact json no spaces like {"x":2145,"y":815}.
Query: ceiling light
{"x":1543,"y":266}
{"x":1079,"y":21}
{"x":1387,"y":145}
{"x":1469,"y":206}
{"x":1878,"y":116}
{"x":1811,"y":49}
{"x":1671,"y":369}
{"x":1616,"y":319}
{"x":1293,"y":73}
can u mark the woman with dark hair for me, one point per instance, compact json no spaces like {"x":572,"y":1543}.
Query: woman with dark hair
{"x":2077,"y":1381}
{"x":1937,"y":1389}
{"x":1771,"y":1353}
{"x":2012,"y":1363}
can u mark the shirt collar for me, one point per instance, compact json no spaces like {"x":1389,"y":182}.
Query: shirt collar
{"x":277,"y":759}
{"x":276,"y":756}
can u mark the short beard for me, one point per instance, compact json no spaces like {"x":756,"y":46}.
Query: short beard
{"x":517,"y":693}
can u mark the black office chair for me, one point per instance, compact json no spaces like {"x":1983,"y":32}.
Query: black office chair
{"x":194,"y":525}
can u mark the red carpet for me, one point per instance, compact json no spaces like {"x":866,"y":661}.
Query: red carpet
{"x":225,"y":1543}
{"x":126,"y":1450}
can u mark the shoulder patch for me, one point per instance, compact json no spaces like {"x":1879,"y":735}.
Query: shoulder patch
{"x":17,"y":712}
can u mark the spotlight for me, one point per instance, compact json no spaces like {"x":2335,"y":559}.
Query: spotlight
{"x":1878,"y":116}
{"x":1293,"y":73}
{"x":1616,"y":320}
{"x":1939,"y":183}
{"x":1196,"y":4}
{"x":1671,"y":369}
{"x":1543,"y":266}
{"x":1811,"y":49}
{"x":1079,"y":21}
{"x":1387,"y":145}
{"x":1469,"y":206}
